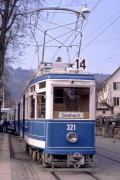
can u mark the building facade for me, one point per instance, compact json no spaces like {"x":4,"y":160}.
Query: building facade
{"x":108,"y":93}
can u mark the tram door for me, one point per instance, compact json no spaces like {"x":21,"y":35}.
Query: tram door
{"x":18,"y":125}
{"x":23,"y":115}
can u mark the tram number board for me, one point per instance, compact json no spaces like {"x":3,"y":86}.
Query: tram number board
{"x":71,"y":115}
{"x":71,"y":127}
{"x":80,"y":64}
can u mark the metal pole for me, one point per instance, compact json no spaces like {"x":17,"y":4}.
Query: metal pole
{"x":61,"y":9}
{"x":80,"y":44}
{"x":80,"y":40}
{"x":3,"y":105}
{"x":43,"y":52}
{"x":38,"y":57}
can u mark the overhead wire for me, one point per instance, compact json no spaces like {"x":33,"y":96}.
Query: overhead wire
{"x":98,"y":2}
{"x":54,"y":15}
{"x":54,"y":39}
{"x":92,"y":10}
{"x":101,"y":32}
{"x":94,"y":7}
{"x":47,"y":28}
{"x":74,"y":31}
{"x":60,"y":26}
{"x":107,"y":40}
{"x":106,"y":59}
{"x":102,"y":25}
{"x":55,"y":28}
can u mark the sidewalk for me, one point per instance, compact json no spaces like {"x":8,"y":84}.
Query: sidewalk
{"x":5,"y":165}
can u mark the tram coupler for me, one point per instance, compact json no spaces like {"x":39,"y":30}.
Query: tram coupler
{"x":75,"y":160}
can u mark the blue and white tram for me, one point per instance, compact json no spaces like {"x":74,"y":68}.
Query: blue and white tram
{"x":8,"y":115}
{"x":58,"y":118}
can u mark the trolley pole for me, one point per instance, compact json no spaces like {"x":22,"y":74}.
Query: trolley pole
{"x":43,"y":52}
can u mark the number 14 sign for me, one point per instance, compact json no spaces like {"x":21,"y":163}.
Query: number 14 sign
{"x":81,"y":64}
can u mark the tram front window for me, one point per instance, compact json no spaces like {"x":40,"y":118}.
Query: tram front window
{"x":71,"y":102}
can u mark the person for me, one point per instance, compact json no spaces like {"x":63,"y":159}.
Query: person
{"x":104,"y":121}
{"x":4,"y":126}
{"x":1,"y":125}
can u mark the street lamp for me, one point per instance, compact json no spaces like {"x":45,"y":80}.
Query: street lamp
{"x":85,"y":9}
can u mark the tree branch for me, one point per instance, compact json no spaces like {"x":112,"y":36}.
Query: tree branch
{"x":11,"y":22}
{"x":11,"y":11}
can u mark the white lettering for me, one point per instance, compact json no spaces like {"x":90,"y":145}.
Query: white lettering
{"x":71,"y":127}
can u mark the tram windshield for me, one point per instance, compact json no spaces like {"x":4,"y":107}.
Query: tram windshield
{"x":71,"y":103}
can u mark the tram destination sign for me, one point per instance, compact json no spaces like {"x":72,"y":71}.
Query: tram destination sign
{"x":71,"y":115}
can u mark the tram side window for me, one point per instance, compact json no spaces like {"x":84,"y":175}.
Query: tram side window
{"x":21,"y":110}
{"x":27,"y":106}
{"x":41,"y":104}
{"x":70,"y":100}
{"x":32,"y":107}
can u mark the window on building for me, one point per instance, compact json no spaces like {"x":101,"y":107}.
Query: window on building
{"x":116,"y":101}
{"x":41,"y":101}
{"x":71,"y":101}
{"x":116,"y":85}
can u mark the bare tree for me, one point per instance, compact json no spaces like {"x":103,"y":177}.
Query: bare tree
{"x":14,"y":15}
{"x":104,"y":97}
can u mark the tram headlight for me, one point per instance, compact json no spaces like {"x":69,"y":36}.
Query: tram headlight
{"x":72,"y":137}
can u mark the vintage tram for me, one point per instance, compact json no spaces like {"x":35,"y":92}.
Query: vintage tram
{"x":56,"y":115}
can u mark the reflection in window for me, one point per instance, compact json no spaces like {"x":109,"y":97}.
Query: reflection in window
{"x":58,"y":96}
{"x":71,"y":99}
{"x":32,"y":89}
{"x":116,"y":101}
{"x":42,"y":85}
{"x":27,"y":105}
{"x":32,"y":107}
{"x":41,"y":105}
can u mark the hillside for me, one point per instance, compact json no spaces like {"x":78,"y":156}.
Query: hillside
{"x":16,"y":79}
{"x":100,"y":78}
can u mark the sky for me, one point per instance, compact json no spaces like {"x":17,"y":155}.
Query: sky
{"x":100,"y":35}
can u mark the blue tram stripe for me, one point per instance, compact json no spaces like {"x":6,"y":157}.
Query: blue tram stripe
{"x":63,"y":76}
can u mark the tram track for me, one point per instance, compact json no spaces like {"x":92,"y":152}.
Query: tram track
{"x":87,"y":173}
{"x":56,"y":176}
{"x":25,"y":169}
{"x":108,"y":158}
{"x":108,"y":154}
{"x":93,"y":176}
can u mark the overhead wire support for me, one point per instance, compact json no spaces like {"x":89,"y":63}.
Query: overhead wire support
{"x":43,"y":52}
{"x":61,"y":9}
{"x":80,"y":41}
{"x":79,"y":14}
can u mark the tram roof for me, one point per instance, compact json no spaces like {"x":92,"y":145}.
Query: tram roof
{"x":62,"y":76}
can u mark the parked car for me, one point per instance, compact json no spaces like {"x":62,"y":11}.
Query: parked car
{"x":113,"y":121}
